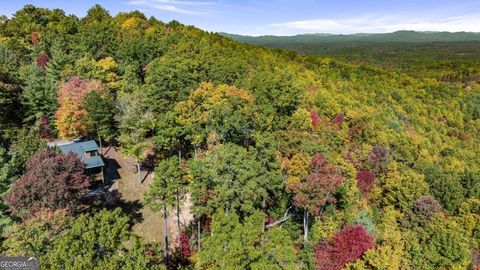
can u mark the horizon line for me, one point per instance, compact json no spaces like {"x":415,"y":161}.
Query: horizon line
{"x":347,"y":34}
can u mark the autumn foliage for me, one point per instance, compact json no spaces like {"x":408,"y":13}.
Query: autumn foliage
{"x":34,"y":37}
{"x":52,"y":181}
{"x":184,"y":242}
{"x":71,"y":111}
{"x":425,"y":208}
{"x":380,"y":156}
{"x":42,"y":60}
{"x":315,"y":118}
{"x":365,"y":180}
{"x":338,"y":119}
{"x":317,"y":189}
{"x":44,"y":128}
{"x":347,"y":245}
{"x":393,"y":121}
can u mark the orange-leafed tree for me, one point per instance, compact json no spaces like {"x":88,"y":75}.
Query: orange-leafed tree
{"x":71,"y":111}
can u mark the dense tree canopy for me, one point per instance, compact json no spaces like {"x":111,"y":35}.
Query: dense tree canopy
{"x":232,"y":178}
{"x":375,"y":152}
{"x":90,"y":241}
{"x":235,"y":245}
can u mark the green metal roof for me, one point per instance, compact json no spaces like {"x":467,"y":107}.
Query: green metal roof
{"x":80,"y":148}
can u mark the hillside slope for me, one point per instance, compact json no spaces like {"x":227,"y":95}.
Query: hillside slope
{"x":439,"y":55}
{"x":290,"y":161}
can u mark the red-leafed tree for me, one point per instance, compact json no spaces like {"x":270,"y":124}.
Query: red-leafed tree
{"x":44,"y":128}
{"x":42,"y":60}
{"x":365,"y":180}
{"x":314,"y":192}
{"x":52,"y":181}
{"x":338,"y":119}
{"x":347,"y":245}
{"x":185,"y":244}
{"x":324,"y":256}
{"x":315,"y":118}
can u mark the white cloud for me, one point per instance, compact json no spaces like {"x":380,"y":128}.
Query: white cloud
{"x":178,"y":6}
{"x":380,"y":24}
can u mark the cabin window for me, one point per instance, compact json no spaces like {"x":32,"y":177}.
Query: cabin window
{"x":91,"y":153}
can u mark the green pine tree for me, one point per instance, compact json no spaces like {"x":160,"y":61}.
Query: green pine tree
{"x":39,"y":95}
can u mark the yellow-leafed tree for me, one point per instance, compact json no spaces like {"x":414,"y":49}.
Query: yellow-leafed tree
{"x":70,"y":111}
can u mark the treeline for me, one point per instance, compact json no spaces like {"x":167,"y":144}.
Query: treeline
{"x":289,"y":161}
{"x":451,"y":57}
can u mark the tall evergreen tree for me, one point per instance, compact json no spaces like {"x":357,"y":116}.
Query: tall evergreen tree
{"x":58,"y":60}
{"x":39,"y":95}
{"x":9,"y":90}
{"x":96,"y":33}
{"x":8,"y":175}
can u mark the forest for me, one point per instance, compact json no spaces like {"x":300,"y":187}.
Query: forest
{"x":440,"y":55}
{"x":353,"y":157}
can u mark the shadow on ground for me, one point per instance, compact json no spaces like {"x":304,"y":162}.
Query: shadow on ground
{"x":125,"y":191}
{"x":132,"y":209}
{"x":111,"y":171}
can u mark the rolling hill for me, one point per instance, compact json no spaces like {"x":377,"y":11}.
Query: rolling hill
{"x":399,"y":36}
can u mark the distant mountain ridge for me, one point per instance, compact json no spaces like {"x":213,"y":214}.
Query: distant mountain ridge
{"x":398,"y":36}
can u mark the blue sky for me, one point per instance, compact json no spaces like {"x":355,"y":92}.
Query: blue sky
{"x":282,"y":17}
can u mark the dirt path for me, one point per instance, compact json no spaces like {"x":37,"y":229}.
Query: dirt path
{"x":122,"y":173}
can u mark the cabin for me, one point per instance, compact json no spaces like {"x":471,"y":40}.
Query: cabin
{"x":88,"y":153}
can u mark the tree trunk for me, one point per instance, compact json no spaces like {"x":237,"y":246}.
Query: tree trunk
{"x":179,"y":151}
{"x":275,"y":223}
{"x":305,"y":225}
{"x":178,"y":195}
{"x":198,"y":233}
{"x":139,"y":173}
{"x":100,"y":144}
{"x":165,"y":231}
{"x":178,"y":217}
{"x":199,"y":219}
{"x":286,"y":216}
